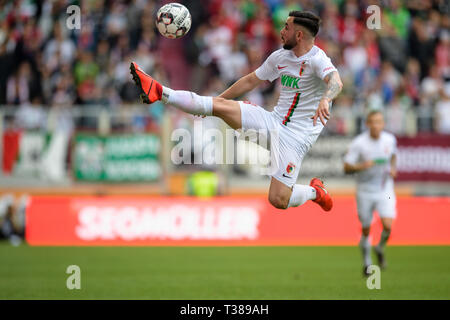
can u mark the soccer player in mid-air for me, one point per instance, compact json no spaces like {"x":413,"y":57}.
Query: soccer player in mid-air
{"x":309,"y":83}
{"x":372,"y":155}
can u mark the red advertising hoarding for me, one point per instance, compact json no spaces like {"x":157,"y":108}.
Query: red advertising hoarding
{"x":222,"y":221}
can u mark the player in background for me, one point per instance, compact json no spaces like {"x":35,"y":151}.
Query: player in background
{"x":372,"y":155}
{"x":309,"y":84}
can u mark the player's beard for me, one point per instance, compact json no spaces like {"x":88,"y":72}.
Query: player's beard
{"x":289,"y":44}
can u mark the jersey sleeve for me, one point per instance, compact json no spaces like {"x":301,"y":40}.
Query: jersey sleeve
{"x":322,"y":65}
{"x":352,"y":155}
{"x":268,"y":70}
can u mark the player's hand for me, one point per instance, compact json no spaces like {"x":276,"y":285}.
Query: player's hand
{"x":393,"y":173}
{"x":322,"y":112}
{"x":367,"y":164}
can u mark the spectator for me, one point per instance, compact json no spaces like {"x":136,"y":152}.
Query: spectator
{"x":390,"y":81}
{"x":412,"y":80}
{"x":235,"y":65}
{"x":6,"y":67}
{"x":355,"y":57}
{"x":398,"y":16}
{"x":442,"y":55}
{"x":350,"y":26}
{"x":282,"y":11}
{"x":396,"y":118}
{"x":431,"y":86}
{"x":19,"y":86}
{"x":330,"y":20}
{"x":442,"y":114}
{"x":86,"y":68}
{"x":392,"y":47}
{"x":59,"y":50}
{"x":421,"y":45}
{"x":31,"y":116}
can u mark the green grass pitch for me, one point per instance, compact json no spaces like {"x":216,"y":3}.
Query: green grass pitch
{"x":26,"y":272}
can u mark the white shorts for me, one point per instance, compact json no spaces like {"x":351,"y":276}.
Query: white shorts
{"x":384,"y":203}
{"x":287,"y":147}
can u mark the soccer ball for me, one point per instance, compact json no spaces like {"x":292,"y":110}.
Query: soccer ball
{"x":173,"y":20}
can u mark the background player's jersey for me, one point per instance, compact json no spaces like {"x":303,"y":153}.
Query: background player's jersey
{"x":302,"y":85}
{"x":364,"y":148}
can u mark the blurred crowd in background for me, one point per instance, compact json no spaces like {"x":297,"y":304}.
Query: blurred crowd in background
{"x":402,"y":68}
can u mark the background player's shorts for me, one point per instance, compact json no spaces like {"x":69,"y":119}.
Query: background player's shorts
{"x":384,"y":203}
{"x":287,"y":147}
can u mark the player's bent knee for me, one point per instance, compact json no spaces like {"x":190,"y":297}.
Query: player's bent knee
{"x":387,"y":224}
{"x":221,"y":104}
{"x":278,"y":201}
{"x":228,"y":110}
{"x":224,"y":105}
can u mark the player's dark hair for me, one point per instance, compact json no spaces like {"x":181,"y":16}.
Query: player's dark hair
{"x":373,"y":112}
{"x":306,"y":19}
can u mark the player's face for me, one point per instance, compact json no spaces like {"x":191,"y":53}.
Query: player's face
{"x":375,"y":123}
{"x":288,"y":34}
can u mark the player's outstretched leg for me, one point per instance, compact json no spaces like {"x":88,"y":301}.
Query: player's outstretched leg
{"x":152,"y":90}
{"x":323,"y":197}
{"x":187,"y":101}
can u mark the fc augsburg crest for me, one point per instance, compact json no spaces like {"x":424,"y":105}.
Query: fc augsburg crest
{"x":290,"y":169}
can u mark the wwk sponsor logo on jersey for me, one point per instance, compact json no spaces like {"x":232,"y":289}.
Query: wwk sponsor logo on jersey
{"x":291,"y":82}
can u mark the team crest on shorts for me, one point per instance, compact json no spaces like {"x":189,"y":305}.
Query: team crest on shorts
{"x":290,"y":169}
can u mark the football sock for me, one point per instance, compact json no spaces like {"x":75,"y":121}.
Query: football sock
{"x":364,"y":243}
{"x":384,"y":238}
{"x":187,"y":101}
{"x":301,"y":194}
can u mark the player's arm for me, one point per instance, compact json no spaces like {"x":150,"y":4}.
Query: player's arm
{"x":394,"y":166}
{"x":353,"y":156}
{"x":334,"y":87}
{"x":352,"y":168}
{"x":242,"y":86}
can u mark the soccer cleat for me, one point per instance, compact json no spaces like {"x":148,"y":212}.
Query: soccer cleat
{"x":380,"y":257}
{"x":323,"y":198}
{"x":151,"y":90}
{"x":366,"y":272}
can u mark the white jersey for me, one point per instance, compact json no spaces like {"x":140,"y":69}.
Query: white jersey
{"x":302,"y":85}
{"x":364,"y":148}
